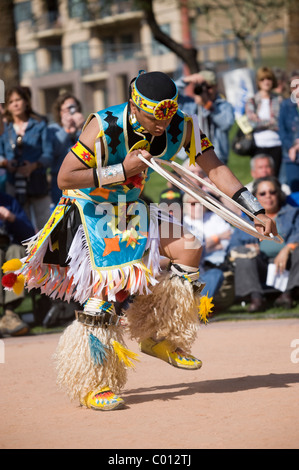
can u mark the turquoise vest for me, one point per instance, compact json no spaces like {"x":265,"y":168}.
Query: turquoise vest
{"x":113,"y":122}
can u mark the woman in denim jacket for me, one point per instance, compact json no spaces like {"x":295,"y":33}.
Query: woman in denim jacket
{"x":289,"y":133}
{"x":64,"y":132}
{"x":252,"y":257}
{"x":262,"y":112}
{"x":27,"y":152}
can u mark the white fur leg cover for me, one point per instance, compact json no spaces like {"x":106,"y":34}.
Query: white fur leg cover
{"x":77,"y":373}
{"x":171,"y":312}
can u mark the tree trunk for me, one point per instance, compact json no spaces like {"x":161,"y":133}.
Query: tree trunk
{"x":9,"y":62}
{"x":293,"y":37}
{"x":187,"y":54}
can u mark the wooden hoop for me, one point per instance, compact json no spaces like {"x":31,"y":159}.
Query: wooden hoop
{"x":207,"y":199}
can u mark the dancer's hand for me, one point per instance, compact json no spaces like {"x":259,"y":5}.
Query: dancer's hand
{"x":268,"y":228}
{"x":132,"y":163}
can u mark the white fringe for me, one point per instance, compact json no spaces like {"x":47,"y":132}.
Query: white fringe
{"x":79,"y":281}
{"x":76,"y":373}
{"x":170,"y":312}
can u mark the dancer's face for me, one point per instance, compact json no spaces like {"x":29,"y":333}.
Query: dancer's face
{"x":149,"y":122}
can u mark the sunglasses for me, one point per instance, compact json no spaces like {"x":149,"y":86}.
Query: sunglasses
{"x":271,"y":192}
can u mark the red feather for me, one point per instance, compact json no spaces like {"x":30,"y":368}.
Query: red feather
{"x":8,"y":280}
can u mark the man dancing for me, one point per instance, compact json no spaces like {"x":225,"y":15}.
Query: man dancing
{"x":102,"y":244}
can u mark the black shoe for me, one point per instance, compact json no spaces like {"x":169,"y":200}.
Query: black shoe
{"x":256,"y":305}
{"x":284,"y":300}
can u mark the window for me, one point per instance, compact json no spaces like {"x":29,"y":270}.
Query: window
{"x":81,"y":57}
{"x":109,"y":49}
{"x":127,"y":46}
{"x":22,"y":12}
{"x":28,"y":63}
{"x":76,"y":8}
{"x":55,"y":58}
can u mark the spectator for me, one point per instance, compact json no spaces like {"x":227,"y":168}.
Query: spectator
{"x":262,"y":165}
{"x":262,"y":111}
{"x":289,"y":133}
{"x":213,"y":233}
{"x":253,"y":257}
{"x":63,"y":133}
{"x":282,"y":87}
{"x":216,"y":115}
{"x":14,"y":228}
{"x":27,"y":150}
{"x":198,"y":171}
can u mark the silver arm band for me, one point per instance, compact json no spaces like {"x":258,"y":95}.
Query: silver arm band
{"x":248,"y":201}
{"x":111,"y":174}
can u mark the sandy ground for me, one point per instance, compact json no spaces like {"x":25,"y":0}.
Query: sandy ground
{"x":245,"y":396}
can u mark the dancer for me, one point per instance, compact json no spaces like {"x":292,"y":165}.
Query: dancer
{"x":102,"y":245}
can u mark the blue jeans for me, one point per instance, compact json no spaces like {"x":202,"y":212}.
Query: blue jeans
{"x":292,"y":174}
{"x":213,"y":278}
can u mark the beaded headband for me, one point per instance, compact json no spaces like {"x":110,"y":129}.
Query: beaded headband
{"x":161,"y":110}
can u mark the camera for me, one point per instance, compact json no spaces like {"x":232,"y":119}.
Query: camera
{"x":72,"y":109}
{"x":200,"y":88}
{"x":20,"y":187}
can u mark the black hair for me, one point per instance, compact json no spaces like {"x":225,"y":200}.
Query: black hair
{"x":277,"y":185}
{"x":156,"y":86}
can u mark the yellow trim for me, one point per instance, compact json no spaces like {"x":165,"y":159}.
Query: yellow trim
{"x":84,"y":154}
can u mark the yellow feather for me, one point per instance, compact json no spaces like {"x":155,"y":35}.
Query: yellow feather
{"x":12,"y":265}
{"x":18,"y":286}
{"x":205,"y":308}
{"x":124,"y":354}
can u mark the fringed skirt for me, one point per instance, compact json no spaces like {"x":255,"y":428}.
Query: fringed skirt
{"x":89,"y":250}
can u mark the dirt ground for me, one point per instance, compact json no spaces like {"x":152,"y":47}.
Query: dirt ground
{"x":244,"y":397}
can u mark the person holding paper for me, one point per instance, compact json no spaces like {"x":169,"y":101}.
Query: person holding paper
{"x":252,"y":258}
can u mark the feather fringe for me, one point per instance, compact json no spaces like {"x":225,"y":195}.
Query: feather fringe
{"x":97,"y":350}
{"x":124,"y":354}
{"x":18,"y":286}
{"x":12,"y":265}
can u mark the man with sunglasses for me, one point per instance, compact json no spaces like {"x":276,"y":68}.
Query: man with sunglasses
{"x":215,"y":114}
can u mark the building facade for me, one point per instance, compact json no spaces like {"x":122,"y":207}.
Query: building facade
{"x":88,"y":48}
{"x":95,"y":47}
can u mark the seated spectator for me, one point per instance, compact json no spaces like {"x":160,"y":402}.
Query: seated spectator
{"x":252,"y":257}
{"x":14,"y":228}
{"x":27,"y":152}
{"x":262,"y":165}
{"x":198,"y":171}
{"x":289,"y":133}
{"x":213,"y":233}
{"x":64,"y":133}
{"x":262,"y":111}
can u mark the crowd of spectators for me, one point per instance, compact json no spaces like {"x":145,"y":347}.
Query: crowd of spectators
{"x":32,"y":150}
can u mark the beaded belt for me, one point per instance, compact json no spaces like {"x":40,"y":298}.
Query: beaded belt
{"x":99,"y":319}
